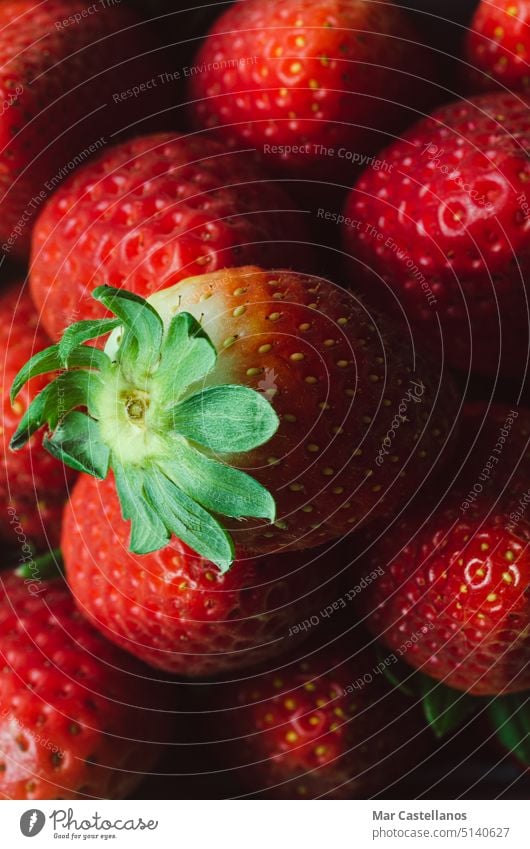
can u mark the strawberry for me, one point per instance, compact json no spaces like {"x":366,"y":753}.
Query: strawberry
{"x":175,"y":610}
{"x":452,"y":242}
{"x":462,"y":567}
{"x":60,"y":61}
{"x":33,"y":487}
{"x":312,"y":86}
{"x":326,"y":725}
{"x":498,"y":46}
{"x":242,"y":372}
{"x":151,"y":212}
{"x":78,"y":718}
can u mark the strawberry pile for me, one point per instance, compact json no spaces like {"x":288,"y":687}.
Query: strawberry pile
{"x":265,"y":461}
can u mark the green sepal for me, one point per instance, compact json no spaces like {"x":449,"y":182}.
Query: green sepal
{"x":50,"y":360}
{"x":157,"y":507}
{"x":41,"y":363}
{"x":219,"y":488}
{"x":76,"y":442}
{"x":43,"y":567}
{"x":83,"y":331}
{"x":399,"y":675}
{"x":148,"y":532}
{"x":445,"y":708}
{"x":187,"y":356}
{"x":189,"y":521}
{"x":141,"y":343}
{"x":510,"y":716}
{"x":70,"y":389}
{"x":226,"y":419}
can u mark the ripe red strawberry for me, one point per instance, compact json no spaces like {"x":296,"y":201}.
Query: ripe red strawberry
{"x":465,"y":569}
{"x":338,"y":74}
{"x":78,"y":718}
{"x":498,"y":46}
{"x":176,"y":610}
{"x":151,"y":212}
{"x":61,"y":63}
{"x":446,"y":229}
{"x":327,"y":725}
{"x":33,"y":487}
{"x":286,"y":377}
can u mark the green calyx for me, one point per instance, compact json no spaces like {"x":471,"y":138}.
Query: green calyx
{"x":150,"y":415}
{"x":43,"y":567}
{"x":510,"y":717}
{"x":446,"y":709}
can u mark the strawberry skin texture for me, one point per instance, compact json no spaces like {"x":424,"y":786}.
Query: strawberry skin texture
{"x":336,"y":375}
{"x":498,"y":46}
{"x":53,"y":76}
{"x":152,"y":211}
{"x":466,"y":572}
{"x":32,"y":483}
{"x":78,"y":718}
{"x":450,"y":208}
{"x":295,"y":72}
{"x":305,"y":731}
{"x":173,"y":609}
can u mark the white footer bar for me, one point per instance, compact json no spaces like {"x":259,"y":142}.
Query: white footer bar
{"x":266,"y":825}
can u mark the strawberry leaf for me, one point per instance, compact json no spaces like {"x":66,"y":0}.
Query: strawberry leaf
{"x":139,"y":351}
{"x":399,"y":674}
{"x":444,"y":708}
{"x":227,"y":419}
{"x":50,"y":360}
{"x":76,"y":442}
{"x":187,"y":356}
{"x":71,"y":389}
{"x":148,"y":532}
{"x":189,"y":521}
{"x":41,"y":363}
{"x":44,"y":567}
{"x":219,"y":488}
{"x":510,"y":716}
{"x":83,"y":331}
